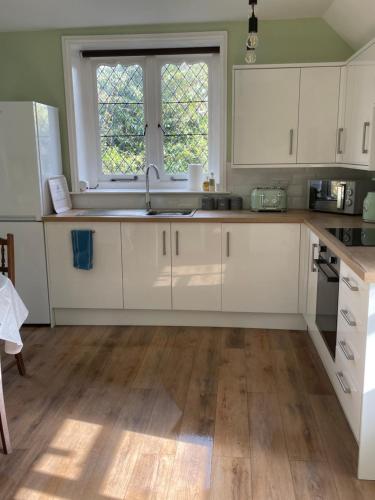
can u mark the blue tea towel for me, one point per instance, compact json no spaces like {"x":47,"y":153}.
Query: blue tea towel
{"x":83,"y":248}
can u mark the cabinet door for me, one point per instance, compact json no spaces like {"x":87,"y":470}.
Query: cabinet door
{"x":196,"y":266}
{"x":260,"y":267}
{"x":318,"y":114}
{"x":146,"y":257}
{"x":265,"y":116}
{"x":360,"y":96}
{"x":99,"y":288}
{"x":312,"y":282}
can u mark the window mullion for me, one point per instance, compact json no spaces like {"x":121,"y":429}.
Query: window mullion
{"x":152,"y":112}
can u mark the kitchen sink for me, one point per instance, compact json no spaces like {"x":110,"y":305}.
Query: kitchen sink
{"x":103,"y":212}
{"x":171,"y":213}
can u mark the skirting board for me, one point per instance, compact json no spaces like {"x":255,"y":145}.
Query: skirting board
{"x":178,"y":318}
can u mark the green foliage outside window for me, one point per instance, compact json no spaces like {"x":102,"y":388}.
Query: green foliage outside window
{"x":184,"y":108}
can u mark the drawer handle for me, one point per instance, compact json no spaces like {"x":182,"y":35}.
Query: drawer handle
{"x":349,"y":285}
{"x":366,"y":125}
{"x":177,"y":243}
{"x":346,"y":350}
{"x":344,"y":384}
{"x":164,"y":242}
{"x":228,"y":244}
{"x":339,"y":145}
{"x":345,"y":315}
{"x":291,"y":141}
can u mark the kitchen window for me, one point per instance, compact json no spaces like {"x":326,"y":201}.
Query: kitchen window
{"x":167,"y":108}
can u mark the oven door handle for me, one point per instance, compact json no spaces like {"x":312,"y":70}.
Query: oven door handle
{"x":330,"y":279}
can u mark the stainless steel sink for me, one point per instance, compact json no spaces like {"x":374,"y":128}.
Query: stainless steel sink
{"x":112,"y":212}
{"x":171,"y":213}
{"x":104,"y":212}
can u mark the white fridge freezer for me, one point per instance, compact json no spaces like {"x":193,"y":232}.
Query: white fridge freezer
{"x":30,"y":153}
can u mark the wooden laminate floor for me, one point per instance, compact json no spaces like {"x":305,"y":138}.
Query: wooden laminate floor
{"x":175,"y":413}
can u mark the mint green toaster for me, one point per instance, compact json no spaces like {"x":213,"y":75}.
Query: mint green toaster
{"x":268,"y":199}
{"x":369,"y":207}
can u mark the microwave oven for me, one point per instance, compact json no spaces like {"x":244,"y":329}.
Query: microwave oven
{"x":338,"y":196}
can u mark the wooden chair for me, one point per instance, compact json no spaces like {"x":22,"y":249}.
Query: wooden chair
{"x":7,"y":267}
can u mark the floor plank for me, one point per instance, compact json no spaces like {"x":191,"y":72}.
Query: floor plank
{"x":260,"y":373}
{"x":231,"y":428}
{"x":270,"y":468}
{"x":313,"y":481}
{"x":231,"y":479}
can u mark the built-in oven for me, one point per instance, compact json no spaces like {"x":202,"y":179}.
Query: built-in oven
{"x":327,"y":266}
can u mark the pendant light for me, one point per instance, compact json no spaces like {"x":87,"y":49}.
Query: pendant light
{"x":252,"y":38}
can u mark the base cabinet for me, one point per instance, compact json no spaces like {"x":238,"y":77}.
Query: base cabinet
{"x":146,"y":265}
{"x":196,"y":266}
{"x":260,"y":268}
{"x":99,"y":288}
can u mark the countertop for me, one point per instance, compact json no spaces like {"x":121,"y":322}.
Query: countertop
{"x":360,"y":259}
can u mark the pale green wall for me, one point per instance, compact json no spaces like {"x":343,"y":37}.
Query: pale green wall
{"x":31,"y":62}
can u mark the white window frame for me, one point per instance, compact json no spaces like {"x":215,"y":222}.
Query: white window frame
{"x":81,"y":102}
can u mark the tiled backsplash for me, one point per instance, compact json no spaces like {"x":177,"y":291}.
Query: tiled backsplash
{"x":240,"y":182}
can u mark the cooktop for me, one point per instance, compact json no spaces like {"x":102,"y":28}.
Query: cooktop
{"x":354,"y":236}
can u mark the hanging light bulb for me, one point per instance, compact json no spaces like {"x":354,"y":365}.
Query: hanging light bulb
{"x":251,"y":56}
{"x":252,"y":38}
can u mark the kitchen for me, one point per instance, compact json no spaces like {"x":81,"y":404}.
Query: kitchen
{"x":201,"y":307}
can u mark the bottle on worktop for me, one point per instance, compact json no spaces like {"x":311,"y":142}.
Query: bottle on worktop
{"x":206,"y":185}
{"x":212,"y":183}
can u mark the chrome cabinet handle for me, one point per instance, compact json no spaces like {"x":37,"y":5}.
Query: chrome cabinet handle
{"x":164,"y":242}
{"x":346,"y":350}
{"x":364,"y":136}
{"x":228,"y":244}
{"x":291,"y":141}
{"x":344,"y":384}
{"x":177,"y":244}
{"x":349,"y":285}
{"x":313,"y":267}
{"x":345,"y":315}
{"x":339,"y":139}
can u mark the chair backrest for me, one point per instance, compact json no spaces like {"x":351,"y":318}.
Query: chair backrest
{"x":7,"y":257}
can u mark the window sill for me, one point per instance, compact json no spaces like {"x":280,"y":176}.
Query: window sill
{"x":143,"y":191}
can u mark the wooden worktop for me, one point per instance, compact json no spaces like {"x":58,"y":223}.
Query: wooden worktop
{"x":360,"y":259}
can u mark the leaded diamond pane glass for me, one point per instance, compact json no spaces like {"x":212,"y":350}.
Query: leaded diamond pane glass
{"x":121,"y":118}
{"x":184,"y":91}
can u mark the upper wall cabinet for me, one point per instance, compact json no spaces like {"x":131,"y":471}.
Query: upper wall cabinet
{"x":285,"y":115}
{"x":265,"y":116}
{"x":359,"y":112}
{"x":318,"y":112}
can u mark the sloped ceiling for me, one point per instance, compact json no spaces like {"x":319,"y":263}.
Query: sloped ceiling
{"x":353,"y":20}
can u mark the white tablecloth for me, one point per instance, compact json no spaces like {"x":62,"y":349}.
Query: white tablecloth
{"x":12,"y":315}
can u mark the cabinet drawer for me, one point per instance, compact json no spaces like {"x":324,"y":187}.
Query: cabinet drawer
{"x":355,"y":292}
{"x":351,"y":346}
{"x":350,"y":396}
{"x":351,"y":323}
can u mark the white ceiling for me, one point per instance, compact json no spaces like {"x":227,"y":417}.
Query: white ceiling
{"x":354,"y":20}
{"x":42,"y":14}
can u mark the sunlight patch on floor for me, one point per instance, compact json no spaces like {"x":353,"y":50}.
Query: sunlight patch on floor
{"x":74,"y":439}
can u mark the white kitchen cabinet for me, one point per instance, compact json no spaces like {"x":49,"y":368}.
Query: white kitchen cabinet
{"x":196,"y":266}
{"x":359,"y":113}
{"x":98,"y":288}
{"x":318,"y":114}
{"x":260,"y":267}
{"x":265,"y":116}
{"x":146,"y":258}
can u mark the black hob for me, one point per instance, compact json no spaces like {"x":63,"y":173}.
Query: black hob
{"x":354,"y":236}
